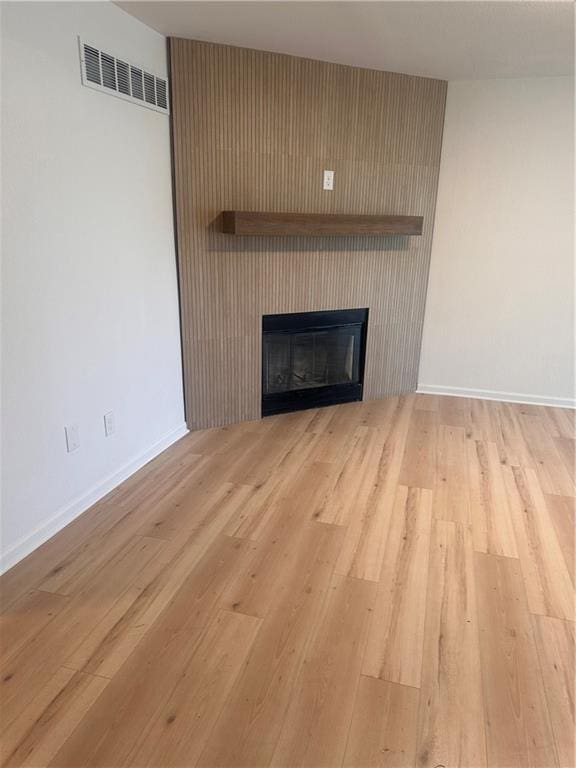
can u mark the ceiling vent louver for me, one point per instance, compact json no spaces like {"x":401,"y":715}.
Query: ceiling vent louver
{"x":136,"y":83}
{"x":108,"y":74}
{"x":161,"y":93}
{"x":123,"y":73}
{"x":92,"y":64}
{"x":149,"y":89}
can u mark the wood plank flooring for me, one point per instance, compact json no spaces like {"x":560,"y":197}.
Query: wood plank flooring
{"x":386,"y":583}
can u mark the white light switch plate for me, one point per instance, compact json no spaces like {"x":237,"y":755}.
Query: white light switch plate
{"x":328,"y":181}
{"x":72,"y":437}
{"x":109,"y":425}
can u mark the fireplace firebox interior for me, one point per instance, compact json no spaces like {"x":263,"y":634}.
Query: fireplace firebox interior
{"x":312,"y":359}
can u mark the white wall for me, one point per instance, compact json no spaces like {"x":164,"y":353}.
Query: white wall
{"x":89,"y":292}
{"x":500,"y":307}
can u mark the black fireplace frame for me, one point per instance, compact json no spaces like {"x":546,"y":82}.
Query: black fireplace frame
{"x":315,"y":397}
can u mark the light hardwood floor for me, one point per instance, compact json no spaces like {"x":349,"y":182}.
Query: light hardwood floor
{"x":385,"y":583}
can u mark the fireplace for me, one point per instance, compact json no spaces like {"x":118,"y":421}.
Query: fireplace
{"x":312,"y":359}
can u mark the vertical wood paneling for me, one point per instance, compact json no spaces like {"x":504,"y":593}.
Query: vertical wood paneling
{"x":254,"y":130}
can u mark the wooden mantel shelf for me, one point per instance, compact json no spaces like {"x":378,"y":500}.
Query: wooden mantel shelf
{"x":257,"y":223}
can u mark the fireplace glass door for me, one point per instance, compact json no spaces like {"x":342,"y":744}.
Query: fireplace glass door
{"x":307,"y":359}
{"x":312,"y":359}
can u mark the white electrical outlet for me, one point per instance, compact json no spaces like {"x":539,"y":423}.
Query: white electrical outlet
{"x":109,"y":424}
{"x":328,"y":181}
{"x":72,"y":437}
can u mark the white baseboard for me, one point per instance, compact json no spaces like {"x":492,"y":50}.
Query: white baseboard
{"x":27,"y":544}
{"x":489,"y":394}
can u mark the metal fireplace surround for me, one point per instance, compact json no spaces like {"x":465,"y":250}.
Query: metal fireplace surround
{"x":312,"y":359}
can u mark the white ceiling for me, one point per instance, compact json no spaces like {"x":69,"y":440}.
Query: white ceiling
{"x":450,"y":40}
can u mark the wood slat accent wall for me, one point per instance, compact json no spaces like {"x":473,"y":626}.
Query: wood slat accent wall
{"x":254,"y":131}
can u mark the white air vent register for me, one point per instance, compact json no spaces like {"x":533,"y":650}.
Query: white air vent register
{"x":116,"y":76}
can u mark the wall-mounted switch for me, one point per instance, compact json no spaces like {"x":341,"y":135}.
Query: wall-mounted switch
{"x":72,"y":437}
{"x":109,"y":425}
{"x":328,"y":180}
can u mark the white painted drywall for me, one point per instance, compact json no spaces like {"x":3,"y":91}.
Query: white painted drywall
{"x":89,"y":290}
{"x":500,"y":306}
{"x":448,"y":40}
